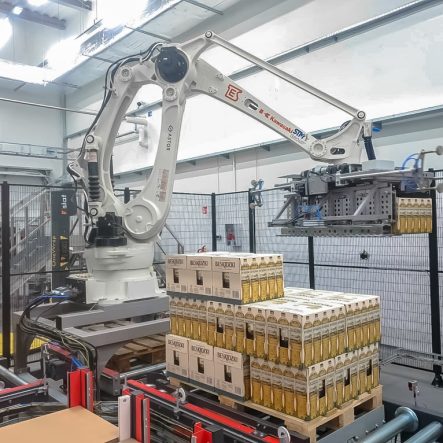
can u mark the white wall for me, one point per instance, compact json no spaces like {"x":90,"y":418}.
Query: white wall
{"x":219,"y":174}
{"x":28,"y":125}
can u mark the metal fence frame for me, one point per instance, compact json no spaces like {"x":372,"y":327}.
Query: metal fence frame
{"x":236,"y":207}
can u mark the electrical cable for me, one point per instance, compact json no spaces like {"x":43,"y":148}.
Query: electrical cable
{"x":35,"y":328}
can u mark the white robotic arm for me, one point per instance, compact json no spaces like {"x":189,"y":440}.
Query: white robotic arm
{"x":121,"y":256}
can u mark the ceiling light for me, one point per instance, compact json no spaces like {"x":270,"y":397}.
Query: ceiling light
{"x":37,"y":2}
{"x":5,"y":31}
{"x":63,"y":54}
{"x":26,"y":73}
{"x":117,"y":12}
{"x":17,"y":10}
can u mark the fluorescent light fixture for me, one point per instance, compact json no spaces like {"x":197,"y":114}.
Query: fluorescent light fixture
{"x":63,"y":54}
{"x":26,"y":73}
{"x":17,"y":10}
{"x":5,"y":31}
{"x":117,"y":12}
{"x":37,"y":3}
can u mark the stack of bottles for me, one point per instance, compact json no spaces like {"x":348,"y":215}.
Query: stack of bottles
{"x":302,"y":354}
{"x":414,"y":215}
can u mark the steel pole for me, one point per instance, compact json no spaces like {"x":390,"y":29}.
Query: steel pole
{"x":11,"y":377}
{"x":428,"y":434}
{"x":405,"y":420}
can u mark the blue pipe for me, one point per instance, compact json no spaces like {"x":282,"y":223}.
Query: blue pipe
{"x":428,"y":434}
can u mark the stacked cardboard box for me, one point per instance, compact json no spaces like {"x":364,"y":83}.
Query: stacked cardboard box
{"x":217,"y":369}
{"x":242,"y":278}
{"x":303,"y":354}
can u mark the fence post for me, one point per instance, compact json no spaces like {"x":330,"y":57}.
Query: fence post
{"x":311,"y":262}
{"x":252,"y":237}
{"x":434,"y":291}
{"x":6,"y":272}
{"x":214,"y":221}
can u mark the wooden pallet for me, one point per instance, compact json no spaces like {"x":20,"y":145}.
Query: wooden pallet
{"x":146,"y":350}
{"x":335,"y":419}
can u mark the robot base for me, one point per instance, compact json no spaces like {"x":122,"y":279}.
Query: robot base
{"x":118,"y":288}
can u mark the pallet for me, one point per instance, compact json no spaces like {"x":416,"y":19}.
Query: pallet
{"x":334,"y":420}
{"x":146,"y":350}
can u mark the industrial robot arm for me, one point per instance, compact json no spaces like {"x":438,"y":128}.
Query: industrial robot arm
{"x":124,"y":234}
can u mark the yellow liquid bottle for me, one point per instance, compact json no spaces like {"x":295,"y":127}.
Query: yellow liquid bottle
{"x":322,"y":406}
{"x":358,"y":326}
{"x":341,"y":331}
{"x":263,"y":276}
{"x":279,"y":276}
{"x":362,"y":374}
{"x":308,"y":343}
{"x":260,"y":331}
{"x":301,"y":396}
{"x":272,"y":328}
{"x":289,"y":392}
{"x":266,"y":377}
{"x":203,"y":319}
{"x":347,"y":380}
{"x":245,"y":281}
{"x":180,"y":318}
{"x":256,"y":382}
{"x":354,"y":377}
{"x":375,"y":370}
{"x":325,"y":337}
{"x":220,"y":326}
{"x":377,"y":323}
{"x":212,"y":321}
{"x":277,"y":388}
{"x":350,"y":319}
{"x":295,"y":341}
{"x":333,"y":334}
{"x":255,"y":283}
{"x":365,"y":323}
{"x":272,"y":282}
{"x":188,"y":318}
{"x":317,"y":354}
{"x":240,"y":332}
{"x":229,"y":328}
{"x":173,"y":315}
{"x":195,"y":320}
{"x":330,"y":388}
{"x":283,"y":345}
{"x":250,"y":335}
{"x":313,"y":396}
{"x":339,"y":381}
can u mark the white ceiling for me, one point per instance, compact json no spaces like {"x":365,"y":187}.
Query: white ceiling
{"x":176,"y":18}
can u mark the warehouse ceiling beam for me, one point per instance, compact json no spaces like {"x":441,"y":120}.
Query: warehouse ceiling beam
{"x":151,"y":34}
{"x":32,"y":16}
{"x":342,"y":34}
{"x":81,"y":5}
{"x":203,"y":6}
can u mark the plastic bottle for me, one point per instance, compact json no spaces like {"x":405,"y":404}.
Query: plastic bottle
{"x":195,"y":320}
{"x":272,"y":330}
{"x":229,"y":328}
{"x":283,"y":345}
{"x":220,"y":326}
{"x":263,"y":275}
{"x":212,"y":321}
{"x":260,"y":331}
{"x":255,"y":283}
{"x":250,"y":334}
{"x":277,"y":388}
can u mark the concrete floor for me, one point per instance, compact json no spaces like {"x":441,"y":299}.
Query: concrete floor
{"x":394,"y":379}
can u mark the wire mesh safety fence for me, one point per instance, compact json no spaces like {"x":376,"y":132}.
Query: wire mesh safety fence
{"x":396,"y":268}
